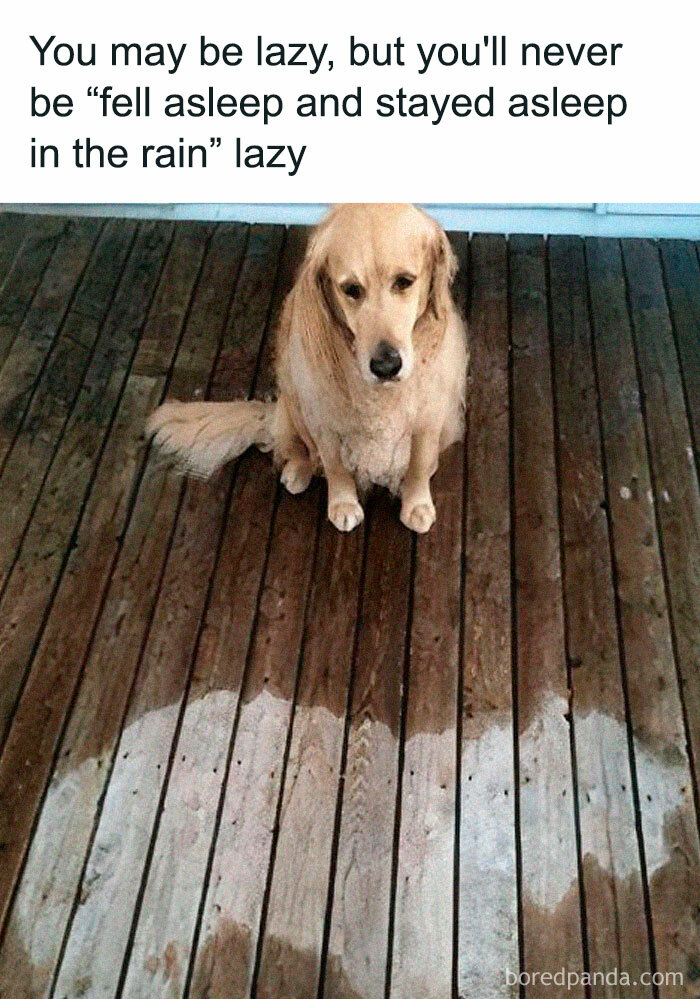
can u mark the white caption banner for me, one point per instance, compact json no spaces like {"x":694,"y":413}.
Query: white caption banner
{"x":541,"y":102}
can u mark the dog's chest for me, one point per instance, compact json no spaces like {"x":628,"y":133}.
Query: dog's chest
{"x":377,"y":453}
{"x":373,"y":429}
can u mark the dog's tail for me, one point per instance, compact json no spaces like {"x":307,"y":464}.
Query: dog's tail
{"x":200,"y":437}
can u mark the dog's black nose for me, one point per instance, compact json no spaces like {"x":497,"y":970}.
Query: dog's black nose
{"x":386,"y":361}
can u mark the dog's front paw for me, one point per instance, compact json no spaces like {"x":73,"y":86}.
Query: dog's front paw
{"x":418,"y":516}
{"x":297,"y":474}
{"x":345,"y":514}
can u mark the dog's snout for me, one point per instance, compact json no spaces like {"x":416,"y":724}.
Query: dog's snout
{"x":385,"y":362}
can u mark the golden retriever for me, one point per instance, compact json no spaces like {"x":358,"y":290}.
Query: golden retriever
{"x":371,"y":365}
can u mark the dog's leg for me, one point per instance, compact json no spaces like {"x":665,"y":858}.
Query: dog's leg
{"x":344,"y":510}
{"x":291,"y":454}
{"x":417,"y":508}
{"x":297,"y":471}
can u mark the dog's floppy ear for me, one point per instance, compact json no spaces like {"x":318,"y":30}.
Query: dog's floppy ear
{"x":311,"y":311}
{"x":443,"y":267}
{"x":333,"y":310}
{"x":314,"y":297}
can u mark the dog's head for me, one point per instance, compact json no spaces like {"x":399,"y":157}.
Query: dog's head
{"x":378,"y":278}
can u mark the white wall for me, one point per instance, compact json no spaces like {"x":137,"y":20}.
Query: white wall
{"x":654,"y":220}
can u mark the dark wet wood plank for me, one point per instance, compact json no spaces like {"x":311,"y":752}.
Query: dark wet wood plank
{"x":682,"y":280}
{"x":612,"y":867}
{"x":25,"y":274}
{"x":362,"y":886}
{"x":41,"y":426}
{"x":39,"y":563}
{"x":13,"y":229}
{"x":660,"y":755}
{"x":41,"y":326}
{"x":550,"y":889}
{"x":487,"y":916}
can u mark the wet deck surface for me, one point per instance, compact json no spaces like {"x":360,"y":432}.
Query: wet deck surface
{"x":244,"y":755}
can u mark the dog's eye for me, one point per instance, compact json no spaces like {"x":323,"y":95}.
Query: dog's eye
{"x":402,"y":282}
{"x":352,"y":290}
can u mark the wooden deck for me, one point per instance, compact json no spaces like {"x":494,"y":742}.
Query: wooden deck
{"x":245,"y":755}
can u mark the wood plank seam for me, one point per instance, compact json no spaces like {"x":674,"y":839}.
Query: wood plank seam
{"x":233,"y":474}
{"x":459,"y":727}
{"x":670,"y":602}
